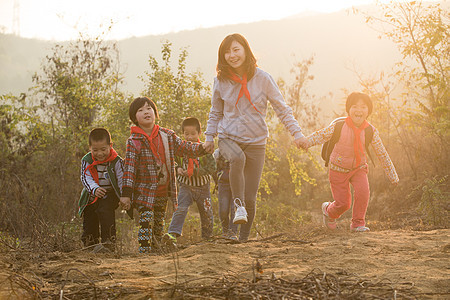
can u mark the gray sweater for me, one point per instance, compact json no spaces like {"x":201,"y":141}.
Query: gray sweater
{"x":242,"y":123}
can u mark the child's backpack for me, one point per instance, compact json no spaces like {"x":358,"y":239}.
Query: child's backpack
{"x":328,"y":146}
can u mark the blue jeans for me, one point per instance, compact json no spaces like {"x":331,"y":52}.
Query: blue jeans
{"x":226,"y":207}
{"x":186,"y":196}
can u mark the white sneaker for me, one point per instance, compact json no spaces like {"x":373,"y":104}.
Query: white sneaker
{"x":327,"y":221}
{"x":359,"y":229}
{"x":240,"y":215}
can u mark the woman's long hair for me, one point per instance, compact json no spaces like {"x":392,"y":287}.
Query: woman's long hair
{"x":224,"y":69}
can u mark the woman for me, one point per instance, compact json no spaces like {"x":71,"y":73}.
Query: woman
{"x":239,"y":106}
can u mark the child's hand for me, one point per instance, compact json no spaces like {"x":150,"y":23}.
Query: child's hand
{"x":182,"y":171}
{"x":395,"y":184}
{"x":208,"y":146}
{"x":302,"y":143}
{"x":100,"y":192}
{"x":125,"y":203}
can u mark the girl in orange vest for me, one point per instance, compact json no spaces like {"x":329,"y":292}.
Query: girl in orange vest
{"x":348,"y":163}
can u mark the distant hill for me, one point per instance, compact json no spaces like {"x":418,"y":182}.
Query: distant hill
{"x":339,"y":41}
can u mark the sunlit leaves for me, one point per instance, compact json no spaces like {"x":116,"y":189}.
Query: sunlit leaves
{"x":177,"y":94}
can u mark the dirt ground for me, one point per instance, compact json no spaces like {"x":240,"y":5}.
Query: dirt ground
{"x":419,"y":259}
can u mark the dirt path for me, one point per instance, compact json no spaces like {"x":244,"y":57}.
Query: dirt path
{"x":417,"y":257}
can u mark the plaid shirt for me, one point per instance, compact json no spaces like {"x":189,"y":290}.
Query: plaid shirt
{"x":140,"y":176}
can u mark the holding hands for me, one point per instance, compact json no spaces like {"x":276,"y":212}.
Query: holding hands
{"x":125,"y":203}
{"x":209,"y":147}
{"x":182,"y":171}
{"x":302,"y":143}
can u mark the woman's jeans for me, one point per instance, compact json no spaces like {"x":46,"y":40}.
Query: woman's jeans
{"x":246,"y":165}
{"x":226,"y":206}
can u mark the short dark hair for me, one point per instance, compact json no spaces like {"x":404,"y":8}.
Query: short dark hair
{"x":223,"y":68}
{"x":98,"y":134}
{"x":354,"y":97}
{"x":191,"y":122}
{"x":138,"y":103}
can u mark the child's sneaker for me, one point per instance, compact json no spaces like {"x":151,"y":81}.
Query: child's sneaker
{"x":169,"y":239}
{"x":240,"y":216}
{"x":233,"y":237}
{"x":359,"y":229}
{"x":327,"y":221}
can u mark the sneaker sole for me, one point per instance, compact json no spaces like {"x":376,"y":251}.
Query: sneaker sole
{"x":240,"y":221}
{"x":326,"y":223}
{"x":360,"y":230}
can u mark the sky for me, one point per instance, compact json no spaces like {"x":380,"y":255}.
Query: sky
{"x":64,"y":19}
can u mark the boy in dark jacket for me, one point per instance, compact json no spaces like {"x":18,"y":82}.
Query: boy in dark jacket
{"x":101,"y":176}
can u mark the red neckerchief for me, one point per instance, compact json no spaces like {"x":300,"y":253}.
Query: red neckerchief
{"x":243,"y":89}
{"x":190,"y":170}
{"x":357,"y":144}
{"x":155,"y":131}
{"x":93,"y":170}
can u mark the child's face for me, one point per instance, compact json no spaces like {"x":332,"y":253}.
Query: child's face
{"x":358,"y":112}
{"x":100,"y":149}
{"x":235,"y":56}
{"x":145,"y":116}
{"x":191,"y":134}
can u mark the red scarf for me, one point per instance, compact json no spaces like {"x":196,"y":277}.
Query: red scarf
{"x":190,"y":170}
{"x":154,"y":134}
{"x":357,"y":144}
{"x":243,"y":89}
{"x":93,"y":170}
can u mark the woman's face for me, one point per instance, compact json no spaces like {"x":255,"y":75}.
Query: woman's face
{"x":235,"y":56}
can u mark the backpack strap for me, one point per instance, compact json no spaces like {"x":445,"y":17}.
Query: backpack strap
{"x":334,"y":139}
{"x":368,"y":133}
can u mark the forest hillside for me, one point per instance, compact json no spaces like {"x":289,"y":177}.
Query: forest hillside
{"x":53,"y":94}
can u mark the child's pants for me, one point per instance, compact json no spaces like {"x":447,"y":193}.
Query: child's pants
{"x":151,"y":225}
{"x":246,"y":166}
{"x":186,"y":196}
{"x":226,"y":207}
{"x":340,"y":188}
{"x":100,"y":213}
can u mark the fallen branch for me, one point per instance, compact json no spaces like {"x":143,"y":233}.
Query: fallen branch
{"x":267,"y":238}
{"x":61,"y":293}
{"x":315,"y":285}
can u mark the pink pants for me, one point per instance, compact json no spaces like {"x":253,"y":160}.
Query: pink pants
{"x":340,"y":188}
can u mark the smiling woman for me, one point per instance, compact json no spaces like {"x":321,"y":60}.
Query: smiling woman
{"x":240,"y":125}
{"x":63,"y":20}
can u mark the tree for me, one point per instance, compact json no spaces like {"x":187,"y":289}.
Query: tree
{"x":421,"y":32}
{"x":419,"y":115}
{"x":284,"y":160}
{"x":77,"y":80}
{"x":44,"y":134}
{"x":177,"y":95}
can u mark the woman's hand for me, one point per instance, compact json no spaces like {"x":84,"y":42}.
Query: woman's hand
{"x":208,"y":146}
